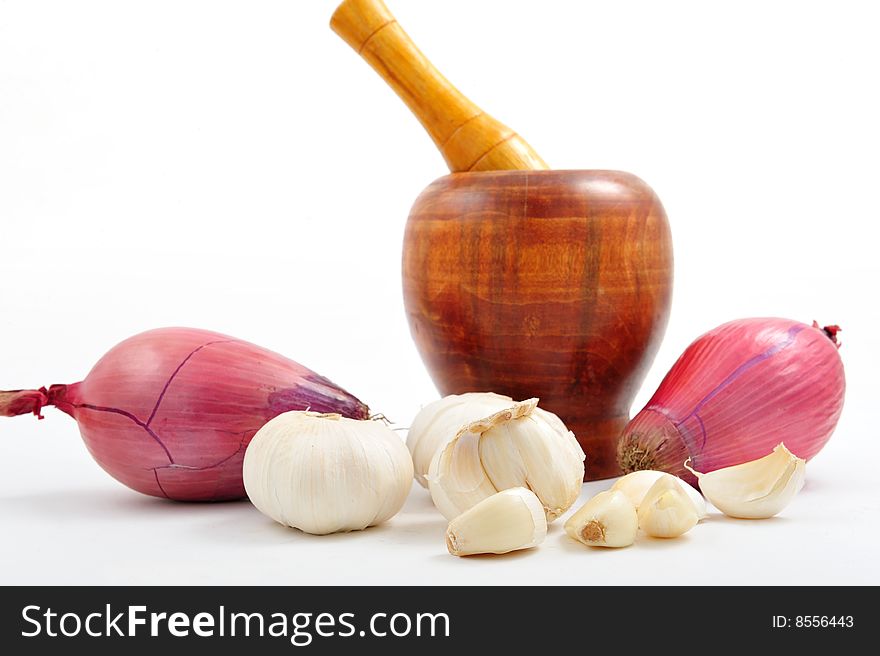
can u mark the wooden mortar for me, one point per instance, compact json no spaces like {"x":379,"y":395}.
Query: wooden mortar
{"x":517,"y":279}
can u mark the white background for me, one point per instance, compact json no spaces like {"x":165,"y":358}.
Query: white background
{"x":235,"y":166}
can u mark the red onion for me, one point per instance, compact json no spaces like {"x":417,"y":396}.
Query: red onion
{"x":737,"y":392}
{"x":170,"y":412}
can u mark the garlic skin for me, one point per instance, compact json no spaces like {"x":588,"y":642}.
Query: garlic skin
{"x":666,"y":511}
{"x":439,"y":421}
{"x":517,"y":447}
{"x":506,"y":521}
{"x":757,"y":489}
{"x":323,"y":473}
{"x":609,"y":519}
{"x":636,"y":484}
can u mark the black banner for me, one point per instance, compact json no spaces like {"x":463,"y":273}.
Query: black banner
{"x":431,"y":620}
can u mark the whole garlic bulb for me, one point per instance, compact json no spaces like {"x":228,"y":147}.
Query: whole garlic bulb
{"x":516,"y":447}
{"x":324,"y":473}
{"x":438,"y":422}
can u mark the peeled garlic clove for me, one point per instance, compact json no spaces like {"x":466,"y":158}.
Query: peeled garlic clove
{"x":438,"y":422}
{"x":757,"y":489}
{"x":609,"y":519}
{"x":637,"y":484}
{"x":506,"y":521}
{"x":521,"y":446}
{"x":666,"y":511}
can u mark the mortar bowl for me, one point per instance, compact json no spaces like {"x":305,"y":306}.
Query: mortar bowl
{"x":549,"y":284}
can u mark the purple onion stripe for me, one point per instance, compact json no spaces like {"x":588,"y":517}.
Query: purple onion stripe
{"x":99,"y":408}
{"x":176,"y":371}
{"x":736,"y":373}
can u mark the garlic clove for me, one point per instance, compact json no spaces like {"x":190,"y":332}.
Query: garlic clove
{"x":666,"y":511}
{"x":521,"y":446}
{"x":609,"y":519}
{"x":534,"y":451}
{"x":757,"y":489}
{"x":439,"y":422}
{"x":506,"y":521}
{"x":457,"y":480}
{"x":636,"y":484}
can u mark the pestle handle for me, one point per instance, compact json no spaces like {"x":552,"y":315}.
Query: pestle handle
{"x":468,"y":138}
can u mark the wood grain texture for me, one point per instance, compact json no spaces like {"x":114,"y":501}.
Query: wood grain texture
{"x":469,"y":139}
{"x":554,"y":284}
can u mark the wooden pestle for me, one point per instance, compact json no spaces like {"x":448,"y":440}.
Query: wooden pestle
{"x":469,"y":139}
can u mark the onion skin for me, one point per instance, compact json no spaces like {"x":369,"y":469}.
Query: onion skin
{"x":170,"y":412}
{"x":737,"y":392}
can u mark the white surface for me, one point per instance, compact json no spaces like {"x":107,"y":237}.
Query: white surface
{"x":234,"y":166}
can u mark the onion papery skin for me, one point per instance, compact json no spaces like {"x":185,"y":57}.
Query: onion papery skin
{"x":737,"y":392}
{"x":170,"y":412}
